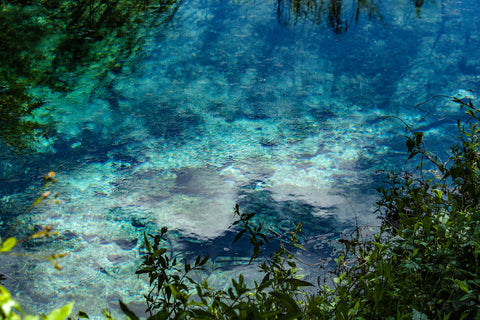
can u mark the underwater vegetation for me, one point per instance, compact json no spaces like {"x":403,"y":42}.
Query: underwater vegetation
{"x":44,"y":43}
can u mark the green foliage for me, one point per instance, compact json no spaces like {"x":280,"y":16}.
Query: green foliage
{"x":175,"y":294}
{"x":425,"y":261}
{"x":15,"y":104}
{"x":11,"y":310}
{"x":422,"y":264}
{"x":7,"y":243}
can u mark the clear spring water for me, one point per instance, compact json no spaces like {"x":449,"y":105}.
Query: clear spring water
{"x":234,"y":102}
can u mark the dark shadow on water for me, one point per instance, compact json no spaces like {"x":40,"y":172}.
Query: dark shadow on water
{"x":277,"y":219}
{"x":170,"y":122}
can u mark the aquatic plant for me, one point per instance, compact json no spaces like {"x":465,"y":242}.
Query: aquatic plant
{"x":337,"y":15}
{"x":18,"y":72}
{"x":16,"y":132}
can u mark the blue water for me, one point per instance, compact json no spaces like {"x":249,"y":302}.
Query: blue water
{"x":235,"y":102}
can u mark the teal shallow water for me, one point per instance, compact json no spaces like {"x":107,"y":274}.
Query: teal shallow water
{"x":235,"y":103}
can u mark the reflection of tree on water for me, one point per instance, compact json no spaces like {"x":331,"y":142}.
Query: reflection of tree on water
{"x":48,"y":43}
{"x":338,"y":15}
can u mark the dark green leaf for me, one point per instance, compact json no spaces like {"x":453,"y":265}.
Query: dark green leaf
{"x":204,"y":260}
{"x":299,"y":283}
{"x":239,"y":235}
{"x":147,"y":243}
{"x":287,"y":301}
{"x":158,"y":252}
{"x":127,"y":311}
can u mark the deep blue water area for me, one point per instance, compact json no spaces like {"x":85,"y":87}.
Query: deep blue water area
{"x":285,"y":113}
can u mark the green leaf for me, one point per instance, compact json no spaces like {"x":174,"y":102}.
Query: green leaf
{"x":299,"y":283}
{"x":147,"y":243}
{"x":179,"y":293}
{"x":8,"y":244}
{"x":410,"y":144}
{"x":412,"y":154}
{"x":37,"y":201}
{"x":299,"y":246}
{"x":7,"y":305}
{"x":187,"y":267}
{"x":145,"y":270}
{"x":204,"y":260}
{"x":288,"y":302}
{"x":266,"y":282}
{"x":197,"y":261}
{"x":248,"y":216}
{"x":418,"y":137}
{"x":239,"y":235}
{"x":438,"y":193}
{"x":158,"y":252}
{"x":61,"y":313}
{"x":427,"y":224}
{"x":129,"y":313}
{"x":462,"y":284}
{"x":82,"y":314}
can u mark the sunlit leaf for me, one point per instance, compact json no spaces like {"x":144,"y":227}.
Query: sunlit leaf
{"x":61,"y":313}
{"x":8,"y":244}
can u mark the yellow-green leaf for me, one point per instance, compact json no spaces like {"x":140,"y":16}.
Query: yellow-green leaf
{"x":4,"y":295}
{"x":61,"y":313}
{"x":462,"y":284}
{"x":8,"y":244}
{"x":7,"y":305}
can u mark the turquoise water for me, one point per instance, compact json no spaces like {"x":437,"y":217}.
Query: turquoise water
{"x":235,"y":102}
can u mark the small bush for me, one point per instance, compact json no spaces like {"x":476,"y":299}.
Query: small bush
{"x":422,"y":264}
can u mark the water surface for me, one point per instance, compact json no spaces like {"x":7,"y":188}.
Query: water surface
{"x":280,"y":110}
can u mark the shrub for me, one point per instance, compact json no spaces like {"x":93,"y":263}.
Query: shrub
{"x":422,"y":264}
{"x":175,"y":295}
